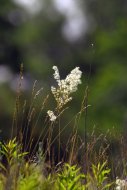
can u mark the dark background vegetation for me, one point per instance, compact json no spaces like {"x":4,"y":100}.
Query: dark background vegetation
{"x":91,"y":34}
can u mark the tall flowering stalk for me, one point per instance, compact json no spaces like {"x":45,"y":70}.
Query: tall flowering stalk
{"x":62,"y":93}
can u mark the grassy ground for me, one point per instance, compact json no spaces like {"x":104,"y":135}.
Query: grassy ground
{"x":41,"y":162}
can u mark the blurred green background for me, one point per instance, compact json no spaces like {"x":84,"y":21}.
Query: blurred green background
{"x":91,"y":34}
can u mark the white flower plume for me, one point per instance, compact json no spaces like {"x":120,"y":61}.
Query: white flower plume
{"x":66,"y":86}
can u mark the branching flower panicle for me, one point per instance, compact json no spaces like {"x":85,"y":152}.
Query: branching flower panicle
{"x":62,"y":93}
{"x":66,"y":86}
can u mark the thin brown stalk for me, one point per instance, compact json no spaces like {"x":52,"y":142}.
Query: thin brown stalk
{"x":39,"y":115}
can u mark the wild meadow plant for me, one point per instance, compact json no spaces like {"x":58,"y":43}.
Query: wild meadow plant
{"x":121,"y":184}
{"x":29,"y":164}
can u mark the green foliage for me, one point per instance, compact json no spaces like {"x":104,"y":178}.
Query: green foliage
{"x":12,"y":151}
{"x":98,"y":178}
{"x":29,"y":183}
{"x":70,"y":178}
{"x":20,"y":174}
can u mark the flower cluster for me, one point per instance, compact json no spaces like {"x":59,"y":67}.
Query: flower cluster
{"x":121,"y":184}
{"x":66,"y":86}
{"x":51,"y":115}
{"x":64,"y":89}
